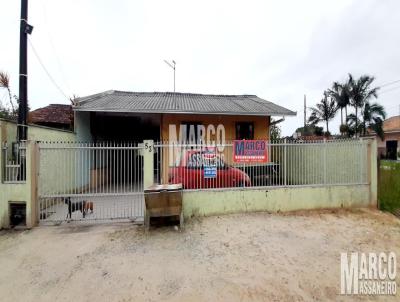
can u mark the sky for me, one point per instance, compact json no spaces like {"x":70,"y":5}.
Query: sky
{"x":278,"y":50}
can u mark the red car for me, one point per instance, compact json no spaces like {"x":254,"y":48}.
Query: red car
{"x":191,"y":172}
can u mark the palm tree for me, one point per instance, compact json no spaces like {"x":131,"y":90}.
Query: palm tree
{"x":340,"y":93}
{"x":361,"y":92}
{"x":5,"y":83}
{"x":373,"y":116}
{"x":323,"y":111}
{"x":353,"y":122}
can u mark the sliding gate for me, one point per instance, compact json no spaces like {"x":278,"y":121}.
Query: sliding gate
{"x":90,"y":182}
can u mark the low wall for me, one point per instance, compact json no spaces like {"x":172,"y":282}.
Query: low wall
{"x":216,"y":202}
{"x":26,"y":192}
{"x":8,"y":133}
{"x":21,"y":192}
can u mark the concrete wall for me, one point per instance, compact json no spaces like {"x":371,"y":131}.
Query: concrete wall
{"x":26,"y":192}
{"x":8,"y":131}
{"x":21,"y":192}
{"x":216,"y":202}
{"x":82,"y":126}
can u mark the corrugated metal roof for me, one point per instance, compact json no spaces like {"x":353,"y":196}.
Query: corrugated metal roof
{"x":170,"y":102}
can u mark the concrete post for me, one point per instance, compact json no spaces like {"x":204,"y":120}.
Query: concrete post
{"x":373,"y":173}
{"x":325,"y":161}
{"x":285,"y":162}
{"x":148,"y":163}
{"x":30,"y":208}
{"x":1,"y":157}
{"x":34,"y":175}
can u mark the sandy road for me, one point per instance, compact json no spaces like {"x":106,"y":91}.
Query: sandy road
{"x":246,"y":257}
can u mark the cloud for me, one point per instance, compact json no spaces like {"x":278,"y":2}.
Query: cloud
{"x":279,"y":50}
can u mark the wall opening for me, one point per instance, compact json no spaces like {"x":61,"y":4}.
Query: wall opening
{"x":17,"y":214}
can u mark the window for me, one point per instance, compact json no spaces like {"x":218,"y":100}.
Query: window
{"x":244,"y":130}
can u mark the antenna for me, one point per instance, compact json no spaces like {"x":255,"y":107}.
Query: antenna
{"x":173,"y":66}
{"x":305,"y":111}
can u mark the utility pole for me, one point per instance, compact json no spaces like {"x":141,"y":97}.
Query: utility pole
{"x":25,"y":29}
{"x":305,"y":112}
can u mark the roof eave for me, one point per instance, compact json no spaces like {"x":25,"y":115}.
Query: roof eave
{"x":291,"y":113}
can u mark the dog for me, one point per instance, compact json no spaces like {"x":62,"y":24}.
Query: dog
{"x":83,"y":206}
{"x":88,"y":205}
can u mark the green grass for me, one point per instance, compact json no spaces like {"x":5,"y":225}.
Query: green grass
{"x":389,"y":186}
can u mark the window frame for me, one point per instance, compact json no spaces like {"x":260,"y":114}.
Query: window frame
{"x":237,"y":130}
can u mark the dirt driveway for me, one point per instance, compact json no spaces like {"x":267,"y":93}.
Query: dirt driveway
{"x":257,"y":257}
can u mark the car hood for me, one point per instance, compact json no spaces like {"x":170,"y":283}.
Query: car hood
{"x":239,"y":173}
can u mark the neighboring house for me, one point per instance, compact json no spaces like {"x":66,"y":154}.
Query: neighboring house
{"x":389,"y":147}
{"x":54,"y":115}
{"x":135,"y":116}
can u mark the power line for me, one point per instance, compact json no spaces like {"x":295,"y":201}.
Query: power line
{"x":393,"y":106}
{"x":54,"y":48}
{"x":45,"y":69}
{"x":389,"y":83}
{"x":391,"y":89}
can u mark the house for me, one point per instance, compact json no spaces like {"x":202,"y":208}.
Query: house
{"x":54,"y":116}
{"x":309,"y":132}
{"x":136,"y":116}
{"x":389,"y":147}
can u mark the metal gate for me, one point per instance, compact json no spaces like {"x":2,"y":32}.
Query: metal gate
{"x":90,"y":182}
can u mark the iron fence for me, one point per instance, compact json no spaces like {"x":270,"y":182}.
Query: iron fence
{"x":14,"y":162}
{"x":282,"y":163}
{"x":104,"y":181}
{"x":90,"y":181}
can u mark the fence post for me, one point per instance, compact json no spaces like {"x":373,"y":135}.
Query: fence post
{"x":373,"y":175}
{"x":29,"y":179}
{"x":361,"y":176}
{"x":1,"y":157}
{"x":34,"y":149}
{"x":2,"y":161}
{"x":285,"y":163}
{"x":325,"y":159}
{"x":148,"y":163}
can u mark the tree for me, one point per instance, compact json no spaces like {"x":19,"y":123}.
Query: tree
{"x":361,"y":92}
{"x":5,"y":83}
{"x":353,"y":122}
{"x":323,"y":111}
{"x":340,"y":93}
{"x":310,"y":130}
{"x":373,"y":116}
{"x":275,"y":131}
